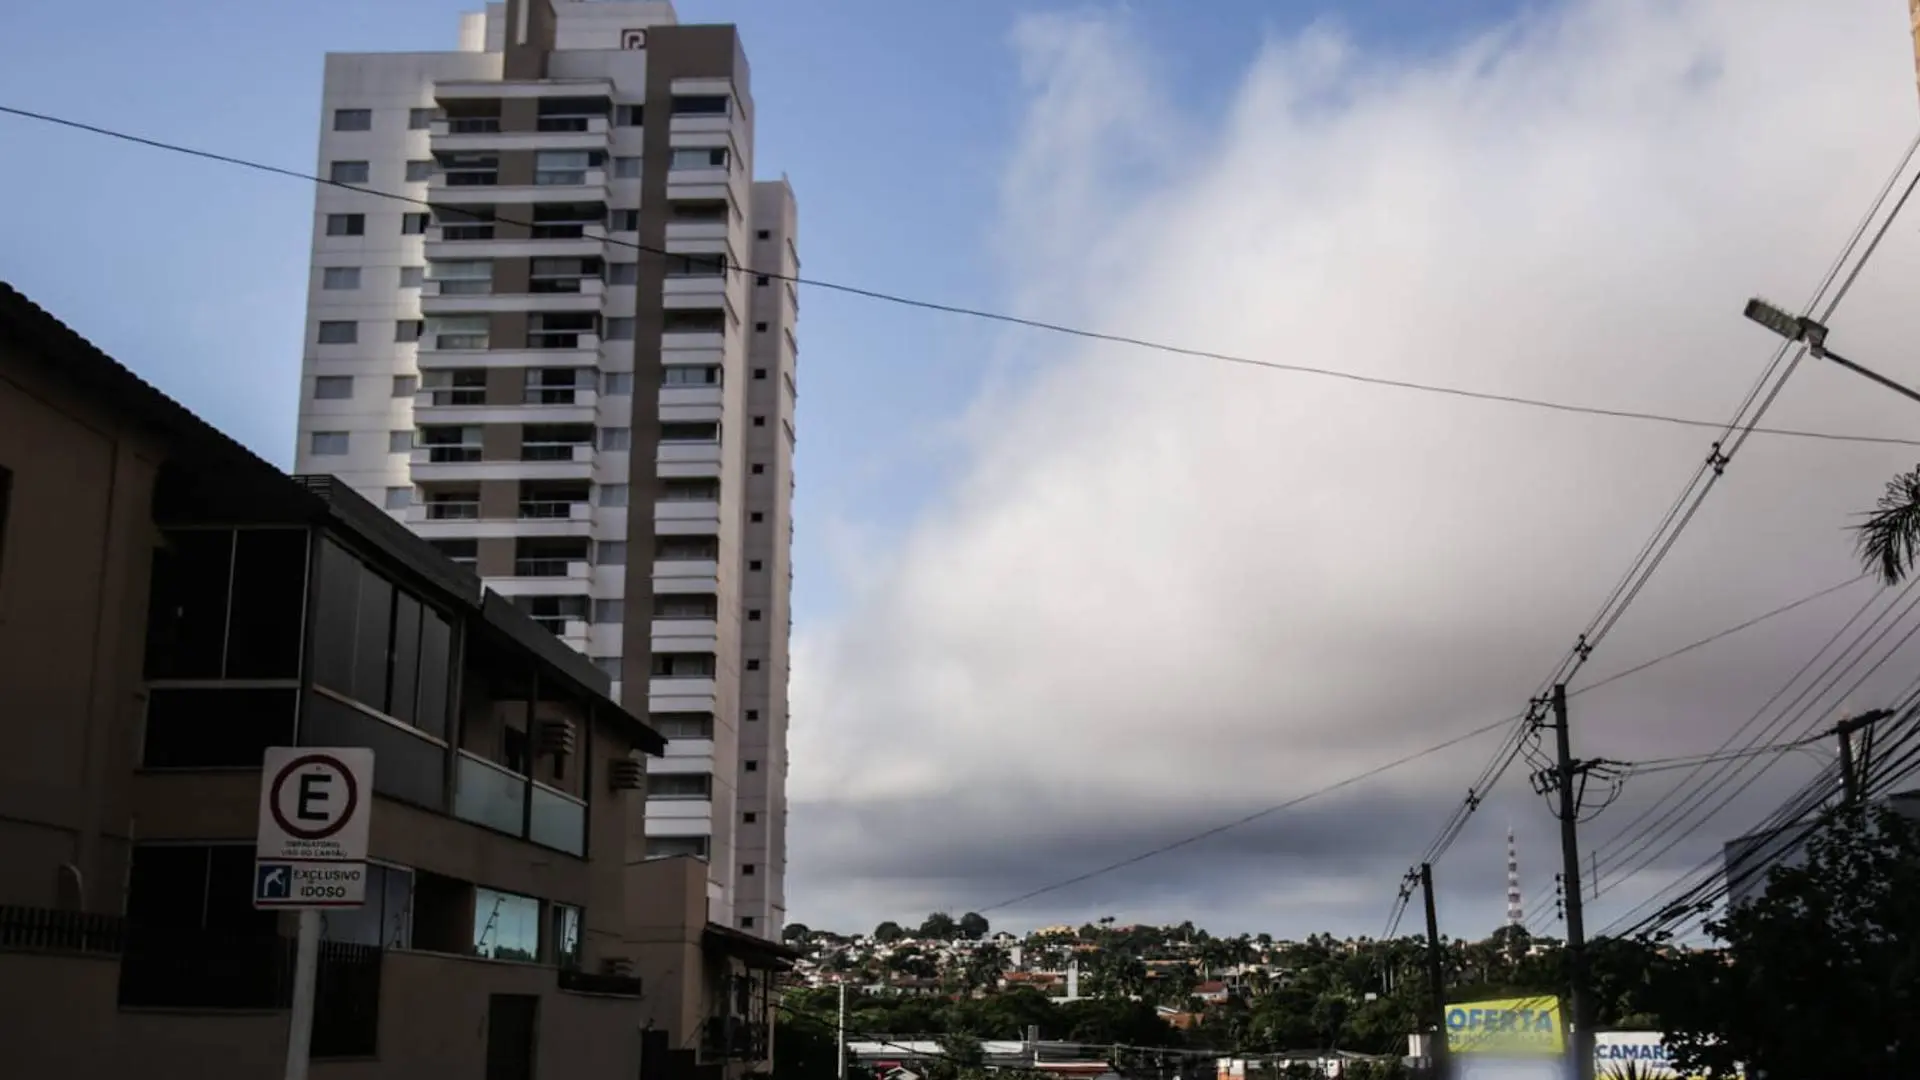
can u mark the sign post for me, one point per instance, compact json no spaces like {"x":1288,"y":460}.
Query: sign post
{"x":311,"y":853}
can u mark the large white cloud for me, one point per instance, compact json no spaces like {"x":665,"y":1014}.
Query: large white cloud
{"x":1168,"y":590}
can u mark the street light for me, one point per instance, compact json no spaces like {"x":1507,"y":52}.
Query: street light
{"x":1814,"y":333}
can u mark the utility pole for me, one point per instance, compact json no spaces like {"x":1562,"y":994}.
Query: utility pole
{"x":1853,"y":776}
{"x":1436,"y":975}
{"x":1568,"y":773}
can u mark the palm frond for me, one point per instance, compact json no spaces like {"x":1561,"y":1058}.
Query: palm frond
{"x":1887,"y":540}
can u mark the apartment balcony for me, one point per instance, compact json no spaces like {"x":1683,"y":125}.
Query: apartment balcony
{"x":560,"y":186}
{"x":680,"y":695}
{"x":694,"y":404}
{"x":690,"y":510}
{"x":569,"y":461}
{"x":584,"y":352}
{"x":698,"y":571}
{"x":503,"y":89}
{"x":704,"y":291}
{"x":606,"y":639}
{"x":571,"y":632}
{"x":456,"y":242}
{"x":703,"y":184}
{"x":585,"y":294}
{"x":688,"y":451}
{"x":466,"y":137}
{"x":698,"y":230}
{"x":701,"y":341}
{"x":681,"y":812}
{"x":684,"y":635}
{"x":558,"y":407}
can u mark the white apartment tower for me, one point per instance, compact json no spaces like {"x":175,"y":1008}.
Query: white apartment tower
{"x":575,"y":372}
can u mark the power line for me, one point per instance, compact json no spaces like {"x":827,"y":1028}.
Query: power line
{"x":1753,"y":408}
{"x":1396,"y":763}
{"x":996,"y":316}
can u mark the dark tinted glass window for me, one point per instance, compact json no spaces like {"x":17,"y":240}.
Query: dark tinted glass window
{"x":187,"y":605}
{"x":333,"y":620}
{"x":436,"y":656}
{"x":167,"y":887}
{"x":372,"y":636}
{"x":215,"y":727}
{"x":269,"y":596}
{"x":401,"y":694}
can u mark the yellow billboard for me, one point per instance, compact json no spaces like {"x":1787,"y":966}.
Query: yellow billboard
{"x":1509,"y":1027}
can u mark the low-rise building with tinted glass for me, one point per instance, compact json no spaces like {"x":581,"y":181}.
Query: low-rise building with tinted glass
{"x":170,"y":606}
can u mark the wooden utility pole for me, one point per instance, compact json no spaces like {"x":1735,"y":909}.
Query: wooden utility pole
{"x":1853,"y":770}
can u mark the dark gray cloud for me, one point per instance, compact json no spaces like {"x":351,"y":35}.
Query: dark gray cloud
{"x":1165,"y":591}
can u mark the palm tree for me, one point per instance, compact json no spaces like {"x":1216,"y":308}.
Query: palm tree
{"x":1888,"y":540}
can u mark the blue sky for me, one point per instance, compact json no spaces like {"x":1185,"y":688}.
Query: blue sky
{"x":893,"y":120}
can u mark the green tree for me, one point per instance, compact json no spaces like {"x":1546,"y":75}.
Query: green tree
{"x":888,"y":932}
{"x":1821,"y":974}
{"x":973,"y":926}
{"x":940,"y":927}
{"x":796,"y":932}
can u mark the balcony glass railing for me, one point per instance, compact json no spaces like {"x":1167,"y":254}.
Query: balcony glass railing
{"x":550,"y":395}
{"x":537,"y":451}
{"x":561,"y":123}
{"x":487,"y":794}
{"x":465,"y":286}
{"x":460,"y":341}
{"x":466,"y":232}
{"x":452,"y":455}
{"x":543,"y":567}
{"x":453,"y":511}
{"x":546,"y":509}
{"x":555,"y":339}
{"x":559,"y":230}
{"x":473,"y":125}
{"x":557,"y":820}
{"x":465,"y":395}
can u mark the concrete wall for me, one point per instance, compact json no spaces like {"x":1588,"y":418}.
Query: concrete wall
{"x":73,"y":595}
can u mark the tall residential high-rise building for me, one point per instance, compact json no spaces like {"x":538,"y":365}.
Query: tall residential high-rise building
{"x":577,"y":362}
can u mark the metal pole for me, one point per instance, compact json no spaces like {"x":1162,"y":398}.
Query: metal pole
{"x":1849,"y":778}
{"x":840,"y":1059}
{"x":1580,"y":1033}
{"x":1436,"y":975}
{"x":306,"y":970}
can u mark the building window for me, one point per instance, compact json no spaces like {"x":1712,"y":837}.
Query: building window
{"x":761,"y":279}
{"x":616,"y":383}
{"x":753,"y":665}
{"x":623,"y":273}
{"x":763,"y":234}
{"x":332,"y":387}
{"x":626,"y":168}
{"x":404,"y":386}
{"x":613,"y":495}
{"x":690,"y":431}
{"x":565,"y":937}
{"x":753,"y":615}
{"x":346,"y":224}
{"x":746,"y":922}
{"x":609,"y":611}
{"x":399,"y":498}
{"x":400,"y":442}
{"x":338,"y":333}
{"x":690,"y":375}
{"x":758,"y":469}
{"x":412,"y":277}
{"x":506,"y":926}
{"x":623,"y":220}
{"x":627,"y":115}
{"x":756,"y":517}
{"x":419,"y":172}
{"x":419,"y":119}
{"x":704,"y":157}
{"x":408,"y":331}
{"x":616,"y":439}
{"x":679,"y":786}
{"x":746,"y":869}
{"x":327,"y":443}
{"x":700,"y":105}
{"x":386,"y":919}
{"x":382,"y":647}
{"x":562,"y":168}
{"x":683,"y":725}
{"x":759,"y":328}
{"x":609,"y":666}
{"x":413,"y":224}
{"x":610,"y":553}
{"x":182,"y":889}
{"x":751,"y":765}
{"x":759,"y":373}
{"x":340,"y":277}
{"x":754,"y":564}
{"x":753,"y":714}
{"x":683,"y":665}
{"x":353,"y":119}
{"x":759,"y":421}
{"x":749,"y":817}
{"x":349,"y":172}
{"x":620,"y":328}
